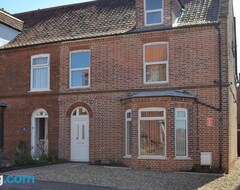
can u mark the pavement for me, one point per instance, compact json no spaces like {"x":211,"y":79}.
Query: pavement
{"x":91,"y":177}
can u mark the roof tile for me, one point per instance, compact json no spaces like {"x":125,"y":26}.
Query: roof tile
{"x":98,"y":18}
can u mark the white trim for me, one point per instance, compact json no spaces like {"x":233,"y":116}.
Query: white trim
{"x":79,"y":69}
{"x":126,"y":120}
{"x":127,"y":156}
{"x":11,"y":16}
{"x":183,"y":119}
{"x":40,"y":66}
{"x":154,"y":118}
{"x":155,"y":63}
{"x":150,"y":157}
{"x":152,"y":11}
{"x":182,"y":158}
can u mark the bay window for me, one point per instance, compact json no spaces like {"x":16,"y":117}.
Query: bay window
{"x":128,"y":133}
{"x":181,"y":132}
{"x":152,"y":132}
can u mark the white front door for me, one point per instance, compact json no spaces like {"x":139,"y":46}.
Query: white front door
{"x":80,"y":139}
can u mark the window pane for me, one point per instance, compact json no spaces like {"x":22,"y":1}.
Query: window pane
{"x":41,"y":128}
{"x":152,"y":114}
{"x":80,"y":60}
{"x":181,"y":114}
{"x":129,"y":138}
{"x":40,"y":78}
{"x":152,"y":137}
{"x":40,"y":61}
{"x":156,"y":73}
{"x":80,"y":78}
{"x":129,"y":115}
{"x":83,"y":111}
{"x":154,"y":17}
{"x":181,"y":138}
{"x":156,"y":53}
{"x":153,"y":4}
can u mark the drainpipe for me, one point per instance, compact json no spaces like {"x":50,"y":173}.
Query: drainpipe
{"x":220,"y":97}
{"x":220,"y":87}
{"x":235,"y":48}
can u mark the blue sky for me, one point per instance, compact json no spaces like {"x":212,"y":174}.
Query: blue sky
{"x":16,"y":6}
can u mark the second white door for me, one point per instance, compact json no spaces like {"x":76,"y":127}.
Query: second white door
{"x":80,"y":139}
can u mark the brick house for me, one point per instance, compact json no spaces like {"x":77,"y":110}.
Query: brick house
{"x":146,"y":83}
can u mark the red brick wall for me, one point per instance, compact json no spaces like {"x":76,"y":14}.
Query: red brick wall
{"x":116,"y":71}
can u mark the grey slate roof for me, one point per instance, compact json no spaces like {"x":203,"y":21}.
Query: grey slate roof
{"x":3,"y":104}
{"x":169,"y":93}
{"x":98,"y":18}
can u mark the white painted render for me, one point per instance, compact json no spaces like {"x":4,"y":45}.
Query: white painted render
{"x":7,"y":34}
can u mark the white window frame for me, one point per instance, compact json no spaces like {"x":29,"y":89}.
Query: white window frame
{"x":40,"y":66}
{"x":164,"y":157}
{"x":79,"y":69}
{"x":184,"y":119}
{"x":145,"y":64}
{"x":152,"y":11}
{"x":126,"y":140}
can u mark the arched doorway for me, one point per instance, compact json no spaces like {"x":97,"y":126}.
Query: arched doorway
{"x":39,"y":133}
{"x":80,"y":135}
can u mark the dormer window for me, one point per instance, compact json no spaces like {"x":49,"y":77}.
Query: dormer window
{"x":153,"y":12}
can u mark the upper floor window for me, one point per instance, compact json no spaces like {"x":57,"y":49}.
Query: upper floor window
{"x":80,"y":69}
{"x":40,"y":72}
{"x":156,"y":63}
{"x":153,"y":12}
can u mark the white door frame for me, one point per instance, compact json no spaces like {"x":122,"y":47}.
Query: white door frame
{"x":74,"y":118}
{"x":39,"y":113}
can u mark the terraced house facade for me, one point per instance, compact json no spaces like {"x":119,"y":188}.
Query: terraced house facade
{"x":145,"y":83}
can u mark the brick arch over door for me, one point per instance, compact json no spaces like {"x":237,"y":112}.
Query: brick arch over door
{"x":79,"y":104}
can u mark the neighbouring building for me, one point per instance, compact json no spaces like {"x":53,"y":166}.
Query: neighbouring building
{"x":146,"y":83}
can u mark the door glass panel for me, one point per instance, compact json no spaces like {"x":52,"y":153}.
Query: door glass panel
{"x":83,"y":132}
{"x":41,"y":128}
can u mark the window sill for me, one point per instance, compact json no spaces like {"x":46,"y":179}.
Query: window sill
{"x":152,"y":158}
{"x":79,"y":88}
{"x":127,"y":156}
{"x":155,"y":83}
{"x":39,"y":91}
{"x":152,"y":25}
{"x":182,"y":158}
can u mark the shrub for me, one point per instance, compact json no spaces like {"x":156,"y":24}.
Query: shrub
{"x":22,"y":158}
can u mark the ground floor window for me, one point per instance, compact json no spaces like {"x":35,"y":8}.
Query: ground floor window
{"x":152,"y":132}
{"x":181,"y":137}
{"x":128,"y":133}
